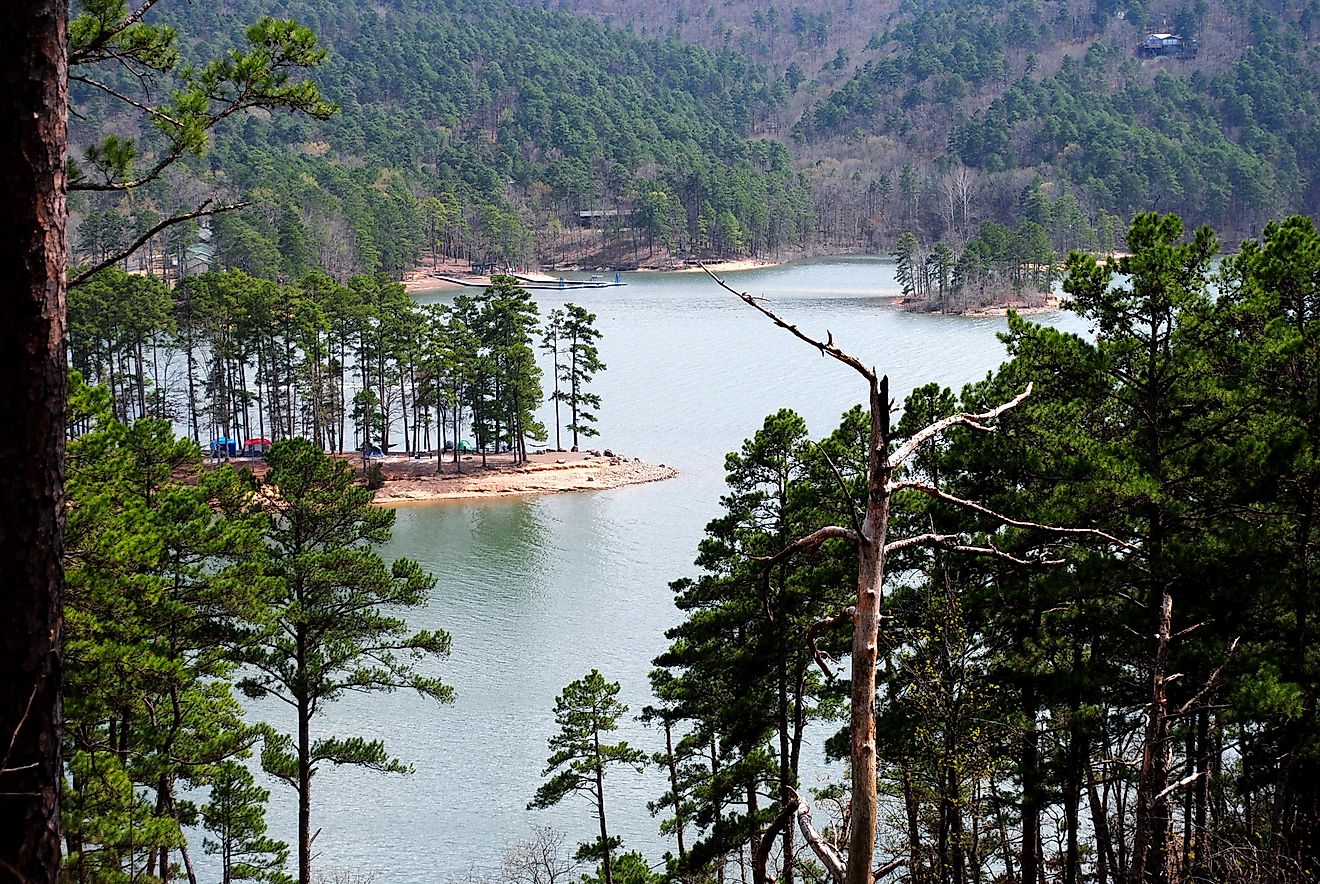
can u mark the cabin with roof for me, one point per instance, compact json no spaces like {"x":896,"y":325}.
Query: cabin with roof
{"x":1174,"y":45}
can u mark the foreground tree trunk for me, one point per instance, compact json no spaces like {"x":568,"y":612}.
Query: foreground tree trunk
{"x":1150,"y":838}
{"x":33,"y":137}
{"x":866,"y":639}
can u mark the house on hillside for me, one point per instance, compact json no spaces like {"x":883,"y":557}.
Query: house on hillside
{"x":1175,"y":45}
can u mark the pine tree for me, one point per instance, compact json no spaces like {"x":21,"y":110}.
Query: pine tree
{"x":508,"y":317}
{"x":581,"y":335}
{"x":329,"y":633}
{"x":233,"y":815}
{"x":738,"y":669}
{"x":552,"y":333}
{"x":586,"y":711}
{"x":161,"y":572}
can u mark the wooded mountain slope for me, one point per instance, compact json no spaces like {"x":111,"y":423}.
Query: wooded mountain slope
{"x":483,"y":131}
{"x":1026,"y":88}
{"x":515,"y":119}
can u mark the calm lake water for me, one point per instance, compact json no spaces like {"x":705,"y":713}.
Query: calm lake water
{"x":537,"y":591}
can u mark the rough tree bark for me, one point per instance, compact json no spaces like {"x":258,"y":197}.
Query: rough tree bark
{"x":34,"y":69}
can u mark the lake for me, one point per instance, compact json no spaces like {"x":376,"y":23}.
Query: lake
{"x":537,"y":591}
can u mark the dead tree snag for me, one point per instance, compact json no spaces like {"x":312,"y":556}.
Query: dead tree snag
{"x":872,"y":542}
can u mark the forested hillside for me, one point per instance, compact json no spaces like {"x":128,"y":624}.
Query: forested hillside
{"x":633,"y":133}
{"x":484,"y":130}
{"x":1015,"y":91}
{"x":1075,"y":596}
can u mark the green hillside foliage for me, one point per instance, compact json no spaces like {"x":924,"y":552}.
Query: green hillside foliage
{"x":1227,"y":138}
{"x":1025,"y":89}
{"x":515,"y":119}
{"x":514,"y":134}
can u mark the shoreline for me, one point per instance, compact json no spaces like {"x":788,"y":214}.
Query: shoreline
{"x":1053,"y":304}
{"x":425,"y":279}
{"x":411,"y":480}
{"x":729,"y":266}
{"x":431,"y":279}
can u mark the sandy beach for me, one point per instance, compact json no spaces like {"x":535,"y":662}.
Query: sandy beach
{"x":426,"y":278}
{"x":728,"y":266}
{"x":409,"y":480}
{"x":1052,"y":304}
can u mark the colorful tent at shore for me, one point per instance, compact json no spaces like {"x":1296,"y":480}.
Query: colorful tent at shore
{"x":223,"y":447}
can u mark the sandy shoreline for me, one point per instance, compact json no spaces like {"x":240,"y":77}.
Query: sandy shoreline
{"x":1052,"y":304}
{"x":428,"y":279}
{"x":729,"y":266}
{"x":422,"y":279}
{"x":415,"y":481}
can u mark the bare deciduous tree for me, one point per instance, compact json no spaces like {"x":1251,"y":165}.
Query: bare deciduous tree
{"x":542,"y":860}
{"x":957,"y":192}
{"x":869,"y":532}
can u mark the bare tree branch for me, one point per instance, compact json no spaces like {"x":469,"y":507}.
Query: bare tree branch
{"x":888,"y":868}
{"x":962,"y":418}
{"x":843,"y":487}
{"x":811,"y":542}
{"x":1211,"y":681}
{"x":936,"y":493}
{"x":845,"y":616}
{"x":948,"y":542}
{"x":919,"y":540}
{"x":114,"y":93}
{"x":992,"y":550}
{"x":13,"y":738}
{"x":825,"y":852}
{"x":826,"y":347}
{"x":200,"y":212}
{"x":1185,"y":781}
{"x":762,"y":858}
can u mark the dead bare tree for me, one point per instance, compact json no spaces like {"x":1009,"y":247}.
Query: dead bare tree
{"x":869,"y":533}
{"x":958,"y":189}
{"x":542,"y":860}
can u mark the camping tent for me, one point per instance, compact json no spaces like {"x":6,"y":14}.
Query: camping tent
{"x":223,"y":447}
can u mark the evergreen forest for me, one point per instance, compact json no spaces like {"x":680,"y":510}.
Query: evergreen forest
{"x":525,"y":135}
{"x":1093,"y":661}
{"x":1055,"y":626}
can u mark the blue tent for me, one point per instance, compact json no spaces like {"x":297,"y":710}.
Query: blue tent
{"x":223,"y":447}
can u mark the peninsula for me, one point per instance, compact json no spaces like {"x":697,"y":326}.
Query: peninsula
{"x":415,"y":480}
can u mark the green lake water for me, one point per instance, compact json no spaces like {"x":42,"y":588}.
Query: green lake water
{"x":536,"y":591}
